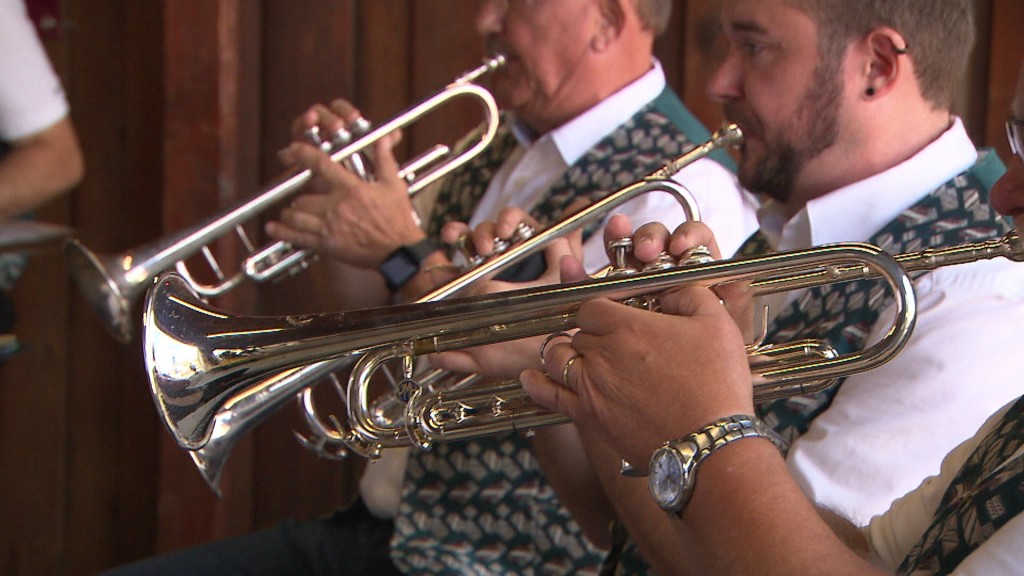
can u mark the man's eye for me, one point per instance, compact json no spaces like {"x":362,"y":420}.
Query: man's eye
{"x":752,"y":48}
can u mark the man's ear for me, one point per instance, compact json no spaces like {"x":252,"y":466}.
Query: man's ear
{"x":609,"y":26}
{"x":884,"y":50}
{"x":604,"y":36}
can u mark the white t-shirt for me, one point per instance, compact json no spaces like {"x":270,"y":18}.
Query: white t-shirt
{"x":534,"y":167}
{"x":893,"y":534}
{"x":31,"y":96}
{"x":889,"y":428}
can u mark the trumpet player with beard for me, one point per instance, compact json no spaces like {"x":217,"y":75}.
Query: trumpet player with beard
{"x":587,"y":111}
{"x":748,"y":509}
{"x":846,"y":109}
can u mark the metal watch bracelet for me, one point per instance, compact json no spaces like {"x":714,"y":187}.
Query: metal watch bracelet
{"x":673,"y":466}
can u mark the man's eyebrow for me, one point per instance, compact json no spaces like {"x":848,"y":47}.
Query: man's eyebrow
{"x":745,"y":26}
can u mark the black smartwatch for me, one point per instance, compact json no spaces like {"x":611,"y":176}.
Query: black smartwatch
{"x":405,"y":262}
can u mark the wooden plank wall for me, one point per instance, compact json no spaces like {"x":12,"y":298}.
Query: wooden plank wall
{"x":181,"y":106}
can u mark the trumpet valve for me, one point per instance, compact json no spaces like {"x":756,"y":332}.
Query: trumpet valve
{"x":664,"y":261}
{"x":621,"y":250}
{"x":522,"y":233}
{"x":341,"y":137}
{"x":464,"y":245}
{"x":312,"y":136}
{"x":696,"y":255}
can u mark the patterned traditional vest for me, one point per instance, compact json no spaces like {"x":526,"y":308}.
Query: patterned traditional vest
{"x":843,"y":314}
{"x":485,"y":506}
{"x":987,"y":492}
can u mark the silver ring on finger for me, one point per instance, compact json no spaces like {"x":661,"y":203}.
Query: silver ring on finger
{"x":544,"y":346}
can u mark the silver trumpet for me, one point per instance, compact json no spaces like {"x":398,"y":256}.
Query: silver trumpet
{"x":209,"y":427}
{"x":111,"y":283}
{"x":197,"y":356}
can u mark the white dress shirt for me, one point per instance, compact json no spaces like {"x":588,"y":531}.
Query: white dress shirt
{"x":889,"y":428}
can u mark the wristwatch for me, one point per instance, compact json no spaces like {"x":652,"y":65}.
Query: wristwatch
{"x":673,"y":466}
{"x":402,"y":264}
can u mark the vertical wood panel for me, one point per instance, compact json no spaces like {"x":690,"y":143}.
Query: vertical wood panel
{"x":115,"y":100}
{"x":382,"y":53}
{"x":308,"y":53}
{"x":445,"y":44}
{"x":209,"y":147}
{"x":1005,"y":52}
{"x":33,"y":427}
{"x":132,"y":453}
{"x":971,"y":104}
{"x":704,"y":48}
{"x":191,"y":156}
{"x":670,"y":49}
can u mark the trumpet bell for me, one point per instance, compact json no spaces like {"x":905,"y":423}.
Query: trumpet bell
{"x":172,"y":345}
{"x":109,"y":294}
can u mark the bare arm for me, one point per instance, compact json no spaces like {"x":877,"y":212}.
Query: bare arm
{"x":749,"y":516}
{"x":561,"y":454}
{"x":663,"y":545}
{"x":39,"y":168}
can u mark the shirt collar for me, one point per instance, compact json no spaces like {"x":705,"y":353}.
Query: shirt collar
{"x":855,"y":212}
{"x":574,"y":138}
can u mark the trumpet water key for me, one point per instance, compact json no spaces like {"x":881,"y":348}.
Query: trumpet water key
{"x":111,"y":283}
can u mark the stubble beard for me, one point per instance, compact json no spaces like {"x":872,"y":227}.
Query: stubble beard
{"x":814,"y":130}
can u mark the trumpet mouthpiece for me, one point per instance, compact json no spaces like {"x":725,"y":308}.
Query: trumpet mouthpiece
{"x":496,"y":61}
{"x":727,"y":136}
{"x":490,"y":64}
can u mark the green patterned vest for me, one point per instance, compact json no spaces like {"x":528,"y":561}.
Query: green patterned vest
{"x":484,"y":506}
{"x":843,"y":314}
{"x":987,"y":492}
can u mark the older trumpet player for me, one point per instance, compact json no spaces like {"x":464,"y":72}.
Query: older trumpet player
{"x":746,"y":512}
{"x":589,"y":113}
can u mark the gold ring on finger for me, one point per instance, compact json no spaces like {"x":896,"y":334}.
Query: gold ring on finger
{"x":568,"y":366}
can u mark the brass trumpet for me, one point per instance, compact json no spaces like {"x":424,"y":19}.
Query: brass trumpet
{"x":197,"y":356}
{"x":209,"y":426}
{"x":111,"y":283}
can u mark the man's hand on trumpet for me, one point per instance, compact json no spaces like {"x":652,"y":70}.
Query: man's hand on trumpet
{"x":505,"y":360}
{"x":345,"y":216}
{"x":652,"y":241}
{"x":682,"y":368}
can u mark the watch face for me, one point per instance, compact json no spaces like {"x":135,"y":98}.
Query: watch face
{"x":666,"y":478}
